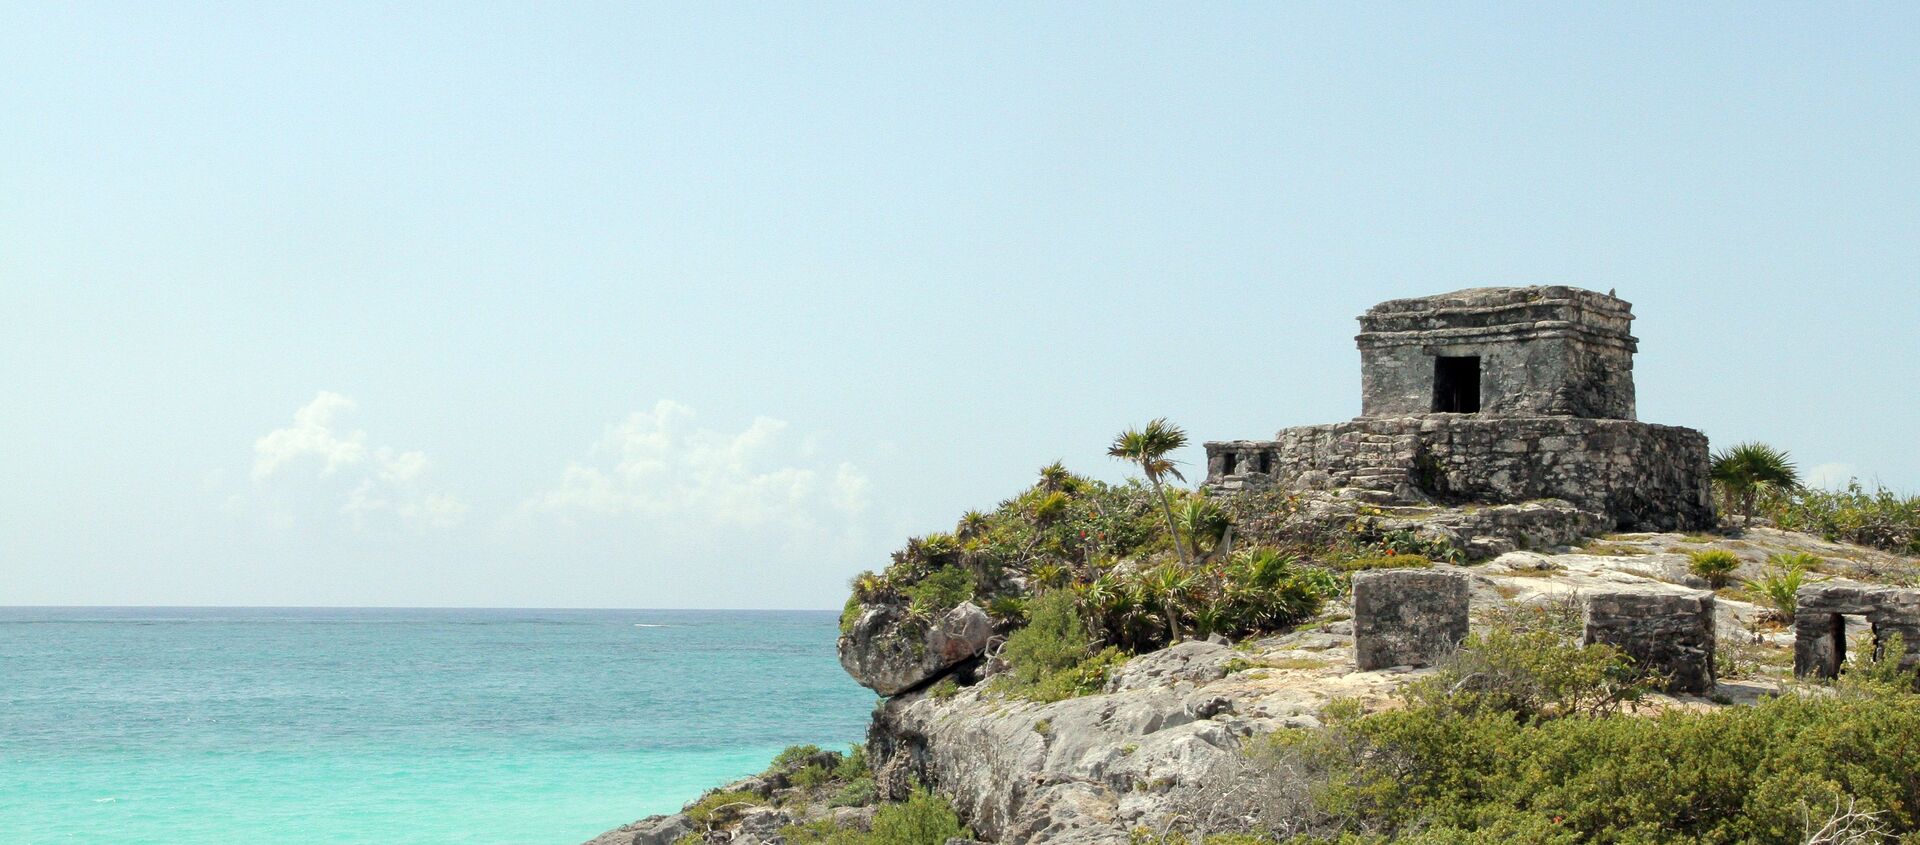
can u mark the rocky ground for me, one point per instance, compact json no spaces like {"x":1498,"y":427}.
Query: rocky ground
{"x":1152,"y":745}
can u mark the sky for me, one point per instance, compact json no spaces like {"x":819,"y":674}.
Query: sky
{"x":712,"y":305}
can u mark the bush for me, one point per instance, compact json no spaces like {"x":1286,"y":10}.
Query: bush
{"x":1736,"y":775}
{"x":791,"y":756}
{"x":853,"y":764}
{"x":701,"y":812}
{"x":1052,"y":658}
{"x":923,"y":819}
{"x":942,"y":590}
{"x":1882,"y":519}
{"x":1713,"y":564}
{"x":1531,"y":675}
{"x":810,"y":776}
{"x":857,"y":793}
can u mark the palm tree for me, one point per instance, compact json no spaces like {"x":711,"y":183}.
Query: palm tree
{"x":1745,"y":471}
{"x":1149,"y":448}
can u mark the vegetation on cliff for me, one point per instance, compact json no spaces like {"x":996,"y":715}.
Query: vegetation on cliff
{"x":1528,"y":737}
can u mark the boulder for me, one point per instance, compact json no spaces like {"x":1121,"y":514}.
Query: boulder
{"x":890,"y":652}
{"x":652,"y":830}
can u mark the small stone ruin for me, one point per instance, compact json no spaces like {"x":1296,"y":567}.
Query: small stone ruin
{"x":1414,"y":617}
{"x":1667,"y":634}
{"x":1407,"y":617}
{"x":1820,"y":624}
{"x":1493,"y":396}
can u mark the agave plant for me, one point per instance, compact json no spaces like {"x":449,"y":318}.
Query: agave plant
{"x":1745,"y":472}
{"x":1148,"y":448}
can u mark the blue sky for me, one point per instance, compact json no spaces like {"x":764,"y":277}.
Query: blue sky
{"x":646,"y":305}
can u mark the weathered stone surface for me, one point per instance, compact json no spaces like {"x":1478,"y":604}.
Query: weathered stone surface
{"x":1635,"y":475}
{"x":889,"y":652}
{"x":1192,"y":662}
{"x":1820,"y":643}
{"x":1542,"y":351}
{"x":1407,"y":617}
{"x":1669,"y":634}
{"x":652,"y":830}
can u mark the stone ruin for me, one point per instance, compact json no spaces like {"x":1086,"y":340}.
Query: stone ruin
{"x":1407,"y":617}
{"x":1414,"y":617}
{"x":1666,"y":634}
{"x":1494,"y":396}
{"x":1820,"y":623}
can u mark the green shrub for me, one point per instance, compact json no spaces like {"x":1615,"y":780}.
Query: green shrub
{"x":853,"y":764}
{"x":1759,"y":774}
{"x":810,"y":776}
{"x":944,"y":689}
{"x":942,"y":590}
{"x":850,"y":614}
{"x":701,"y":812}
{"x":858,"y":792}
{"x":922,"y":819}
{"x":1386,"y":561}
{"x":1882,"y":519}
{"x":1713,"y":564}
{"x":1052,"y":658}
{"x":791,"y":756}
{"x":1531,"y":675}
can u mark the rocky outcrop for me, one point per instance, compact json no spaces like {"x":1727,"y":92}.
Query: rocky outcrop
{"x":1091,"y":769}
{"x":890,"y":652}
{"x":653,"y":830}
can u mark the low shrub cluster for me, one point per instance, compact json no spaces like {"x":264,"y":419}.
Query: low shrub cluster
{"x":922,"y":819}
{"x":1052,"y":658}
{"x":1108,"y":547}
{"x":1527,"y":738}
{"x":1881,"y":518}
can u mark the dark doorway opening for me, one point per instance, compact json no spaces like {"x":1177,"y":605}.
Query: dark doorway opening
{"x":1456,"y":384}
{"x":1266,"y":463}
{"x":1227,"y":462}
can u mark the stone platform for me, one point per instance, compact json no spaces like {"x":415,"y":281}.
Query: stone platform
{"x":1639,"y":476}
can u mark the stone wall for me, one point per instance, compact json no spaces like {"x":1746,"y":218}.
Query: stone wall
{"x":1668,"y":634}
{"x":1640,"y":476}
{"x":1553,"y":350}
{"x":1407,"y":617}
{"x":1819,"y":641}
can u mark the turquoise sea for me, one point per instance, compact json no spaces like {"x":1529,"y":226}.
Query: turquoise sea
{"x":329,"y":727}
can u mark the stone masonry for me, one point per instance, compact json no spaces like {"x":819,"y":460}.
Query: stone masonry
{"x":1539,"y":351}
{"x":1407,"y":617}
{"x":1668,"y":634}
{"x":1820,"y":630}
{"x":1493,"y":396}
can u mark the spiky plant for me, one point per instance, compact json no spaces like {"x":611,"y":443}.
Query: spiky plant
{"x":1748,"y":470}
{"x":972,"y":524}
{"x":1055,"y":477}
{"x":1148,"y":449}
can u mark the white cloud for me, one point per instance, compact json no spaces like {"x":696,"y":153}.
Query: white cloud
{"x":1831,"y":476}
{"x":311,"y":435}
{"x":315,"y":451}
{"x":660,"y":466}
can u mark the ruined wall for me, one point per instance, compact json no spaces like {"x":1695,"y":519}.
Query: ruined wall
{"x":1554,"y":350}
{"x":1641,"y":476}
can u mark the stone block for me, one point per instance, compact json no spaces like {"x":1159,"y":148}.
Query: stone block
{"x":1667,"y":634}
{"x":1407,"y":617}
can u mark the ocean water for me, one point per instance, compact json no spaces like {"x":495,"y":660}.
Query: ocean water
{"x":330,"y":727}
